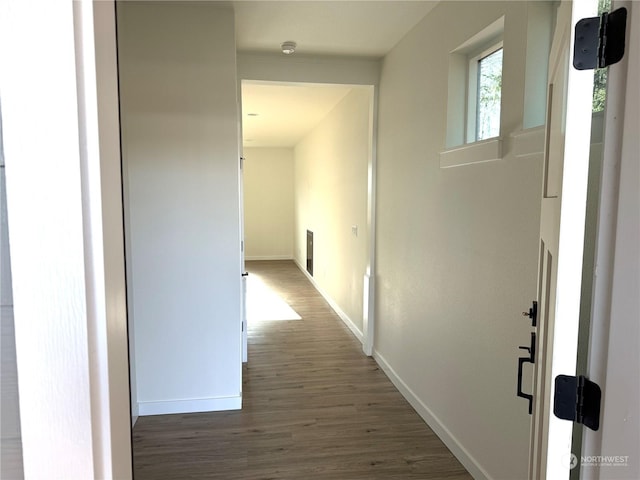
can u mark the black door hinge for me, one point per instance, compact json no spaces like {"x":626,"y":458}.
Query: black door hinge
{"x":577,"y":399}
{"x":600,"y":41}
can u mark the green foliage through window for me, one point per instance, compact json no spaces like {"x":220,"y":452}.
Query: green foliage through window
{"x":600,"y":75}
{"x":599,"y":89}
{"x":489,"y":96}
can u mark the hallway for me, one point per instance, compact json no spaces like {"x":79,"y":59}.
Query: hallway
{"x":314,"y":406}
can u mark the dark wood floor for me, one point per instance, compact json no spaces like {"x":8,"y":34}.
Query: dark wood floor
{"x":314,"y":406}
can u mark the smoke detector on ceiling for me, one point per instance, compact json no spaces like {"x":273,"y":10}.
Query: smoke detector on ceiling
{"x":288,"y":47}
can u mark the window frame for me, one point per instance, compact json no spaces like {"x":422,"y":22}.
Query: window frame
{"x":471,"y":95}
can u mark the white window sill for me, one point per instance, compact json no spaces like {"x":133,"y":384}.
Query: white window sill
{"x":528,"y":142}
{"x":477,"y":152}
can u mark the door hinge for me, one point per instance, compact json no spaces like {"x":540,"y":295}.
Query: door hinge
{"x":241,"y":163}
{"x":577,"y":399}
{"x":600,"y":41}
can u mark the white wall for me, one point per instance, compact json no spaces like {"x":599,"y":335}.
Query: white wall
{"x":308,"y":68}
{"x":180,"y":148}
{"x":331,"y":197}
{"x":268,"y":203}
{"x":457,"y":247}
{"x":65,"y":230}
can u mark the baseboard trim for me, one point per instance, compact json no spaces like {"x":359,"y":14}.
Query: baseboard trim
{"x":268,"y":257}
{"x":215,"y":404}
{"x":336,"y":308}
{"x":452,"y":443}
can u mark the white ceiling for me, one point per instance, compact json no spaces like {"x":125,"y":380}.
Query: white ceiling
{"x":286,"y":113}
{"x":332,"y":27}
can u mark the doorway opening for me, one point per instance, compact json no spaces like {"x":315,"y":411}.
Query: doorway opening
{"x":306,"y":188}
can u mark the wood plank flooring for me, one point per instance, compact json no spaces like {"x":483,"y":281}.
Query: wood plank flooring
{"x":314,"y":406}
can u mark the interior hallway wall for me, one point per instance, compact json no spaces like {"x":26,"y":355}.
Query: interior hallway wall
{"x":180,"y":151}
{"x":457,"y":248}
{"x":331,"y":165}
{"x":268,"y":203}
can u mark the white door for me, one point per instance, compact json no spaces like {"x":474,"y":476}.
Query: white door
{"x":564,"y":192}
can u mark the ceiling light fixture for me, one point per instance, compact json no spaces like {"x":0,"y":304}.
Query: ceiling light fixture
{"x":288,"y":47}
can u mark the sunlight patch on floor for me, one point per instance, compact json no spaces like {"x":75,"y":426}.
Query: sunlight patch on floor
{"x":264,"y":304}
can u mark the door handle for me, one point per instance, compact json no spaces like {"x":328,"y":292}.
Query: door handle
{"x":521,"y":362}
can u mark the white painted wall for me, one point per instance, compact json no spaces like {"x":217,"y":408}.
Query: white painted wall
{"x":331,"y":197}
{"x":268,"y":203}
{"x":308,"y":68}
{"x":457,"y":247}
{"x":180,"y":147}
{"x":65,"y":230}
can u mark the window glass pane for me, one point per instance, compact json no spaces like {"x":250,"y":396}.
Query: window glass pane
{"x":489,"y":93}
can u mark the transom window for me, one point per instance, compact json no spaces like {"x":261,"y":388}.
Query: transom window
{"x":474,"y":92}
{"x":484,"y":94}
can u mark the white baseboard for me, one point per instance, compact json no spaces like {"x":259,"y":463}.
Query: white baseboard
{"x":195,"y":405}
{"x":135,"y":413}
{"x":343,"y":316}
{"x":268,"y":257}
{"x":434,"y":422}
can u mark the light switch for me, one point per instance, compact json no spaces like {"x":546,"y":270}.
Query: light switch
{"x":354,"y":230}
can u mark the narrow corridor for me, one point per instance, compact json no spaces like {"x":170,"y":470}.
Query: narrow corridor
{"x":314,"y":406}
